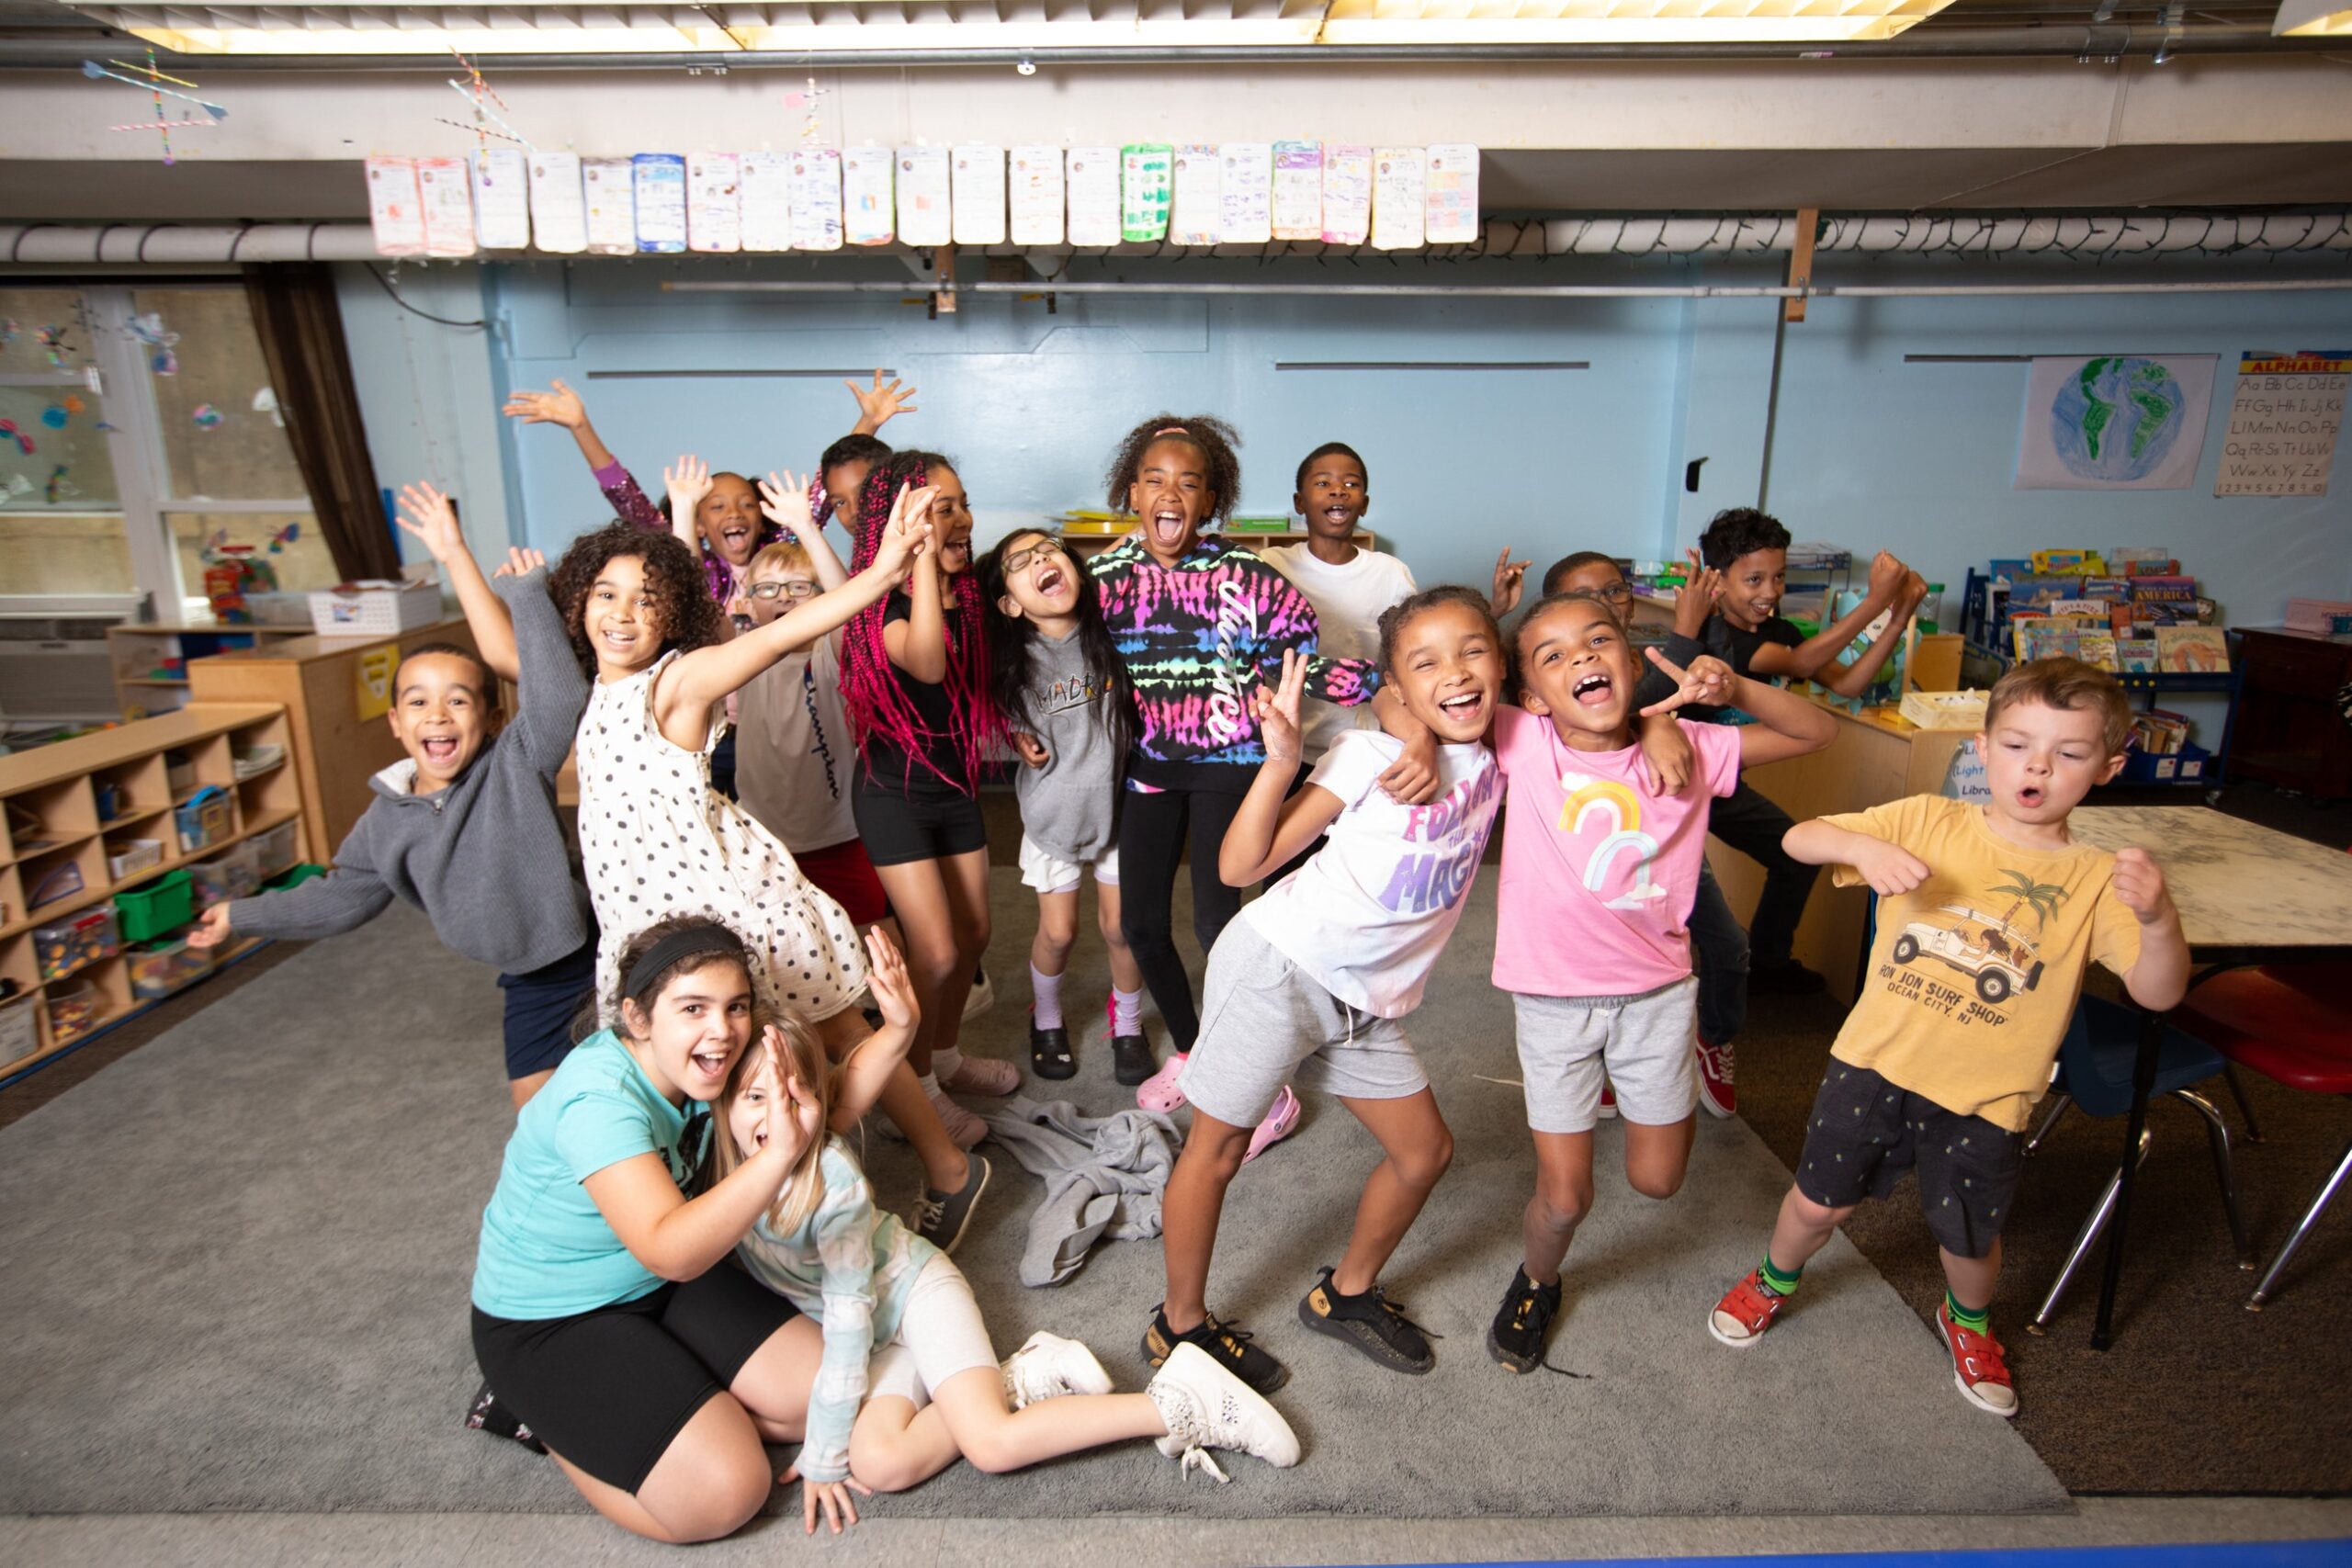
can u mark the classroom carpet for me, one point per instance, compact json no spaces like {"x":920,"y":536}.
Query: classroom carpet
{"x":237,"y":1268}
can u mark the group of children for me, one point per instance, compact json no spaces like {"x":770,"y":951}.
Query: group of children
{"x":793,"y":960}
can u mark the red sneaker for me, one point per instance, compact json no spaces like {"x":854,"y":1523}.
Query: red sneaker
{"x":1746,"y":1310}
{"x":1977,"y":1368}
{"x":1716,"y":1091}
{"x":1607,"y":1100}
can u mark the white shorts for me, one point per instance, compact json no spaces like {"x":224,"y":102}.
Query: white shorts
{"x":1642,"y":1044}
{"x":940,"y":1334}
{"x":1049,"y":872}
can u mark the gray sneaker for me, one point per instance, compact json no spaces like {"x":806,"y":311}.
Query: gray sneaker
{"x":941,"y":1217}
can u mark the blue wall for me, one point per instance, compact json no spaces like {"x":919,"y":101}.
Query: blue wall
{"x":1863,"y":450}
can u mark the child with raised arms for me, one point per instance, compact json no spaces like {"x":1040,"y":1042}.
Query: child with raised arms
{"x":657,"y":842}
{"x":909,"y":1382}
{"x":1988,"y":916}
{"x":1591,"y":938}
{"x":1313,"y":979}
{"x":465,"y":828}
{"x":1063,"y":692}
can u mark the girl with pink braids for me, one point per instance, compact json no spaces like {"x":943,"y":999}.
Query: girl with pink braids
{"x":915,"y":678}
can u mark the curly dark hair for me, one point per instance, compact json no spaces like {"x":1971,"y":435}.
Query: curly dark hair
{"x":1739,"y":531}
{"x":688,"y":616}
{"x":1215,"y":439}
{"x":1331,"y":449}
{"x":1012,"y":639}
{"x":1397,"y":616}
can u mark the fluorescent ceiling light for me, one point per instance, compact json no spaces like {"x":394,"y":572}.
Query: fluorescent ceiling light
{"x":2312,"y":18}
{"x":1621,"y":21}
{"x":435,"y":40}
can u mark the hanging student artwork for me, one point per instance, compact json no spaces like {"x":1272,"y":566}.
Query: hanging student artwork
{"x":608,"y":187}
{"x":1094,"y":185}
{"x":502,"y":198}
{"x":766,"y":186}
{"x":1147,"y":175}
{"x":559,"y":209}
{"x":148,"y":329}
{"x":1034,"y":193}
{"x":2115,"y":422}
{"x":714,"y":202}
{"x":868,"y":196}
{"x":660,"y":187}
{"x":1246,"y":196}
{"x":924,"y":193}
{"x":152,"y":79}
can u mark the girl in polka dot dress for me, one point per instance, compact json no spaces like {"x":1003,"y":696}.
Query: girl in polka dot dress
{"x":656,"y":840}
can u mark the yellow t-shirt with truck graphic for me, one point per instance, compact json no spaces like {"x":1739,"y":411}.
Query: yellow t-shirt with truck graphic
{"x":1973,"y":975}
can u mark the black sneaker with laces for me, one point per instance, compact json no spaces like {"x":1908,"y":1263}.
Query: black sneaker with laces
{"x":1371,"y":1322}
{"x":941,"y":1217}
{"x":1228,"y":1347}
{"x":1523,"y":1323}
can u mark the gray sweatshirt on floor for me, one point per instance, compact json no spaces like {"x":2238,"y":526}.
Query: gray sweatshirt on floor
{"x":485,"y":858}
{"x":1070,"y":806}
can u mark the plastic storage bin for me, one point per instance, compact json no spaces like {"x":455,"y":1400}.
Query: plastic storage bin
{"x":375,"y":609}
{"x":294,"y":876}
{"x":19,"y":1032}
{"x":132,"y":856}
{"x":275,"y":850}
{"x":157,"y":969}
{"x":74,"y":1011}
{"x":66,"y":945}
{"x":160,"y":905}
{"x":204,"y":819}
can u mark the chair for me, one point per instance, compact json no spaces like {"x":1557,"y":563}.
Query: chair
{"x":2095,"y":1065}
{"x":2290,"y":1022}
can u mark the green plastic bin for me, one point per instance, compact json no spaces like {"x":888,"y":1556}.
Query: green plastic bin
{"x":155,"y":907}
{"x":293,"y":876}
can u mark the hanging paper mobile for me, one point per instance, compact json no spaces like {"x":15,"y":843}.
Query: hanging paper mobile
{"x":24,"y":442}
{"x":152,"y":79}
{"x":206,"y":416}
{"x":149,"y":330}
{"x":54,"y":416}
{"x":481,"y":95}
{"x":57,"y":485}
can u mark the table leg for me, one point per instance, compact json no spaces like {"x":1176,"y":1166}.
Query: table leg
{"x":2143,"y":1082}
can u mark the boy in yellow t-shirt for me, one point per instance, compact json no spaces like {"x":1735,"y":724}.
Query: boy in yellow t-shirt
{"x":1987,"y":917}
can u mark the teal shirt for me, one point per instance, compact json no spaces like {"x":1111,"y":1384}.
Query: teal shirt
{"x":547,"y":1250}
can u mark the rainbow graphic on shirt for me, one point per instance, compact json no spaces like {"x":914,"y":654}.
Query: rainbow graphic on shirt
{"x":1611,"y":806}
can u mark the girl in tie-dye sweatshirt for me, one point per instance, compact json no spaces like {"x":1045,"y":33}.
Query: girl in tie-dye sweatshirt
{"x":1198,"y":621}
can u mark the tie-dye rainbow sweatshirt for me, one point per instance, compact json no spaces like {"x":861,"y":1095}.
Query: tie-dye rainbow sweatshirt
{"x":1197,"y":638}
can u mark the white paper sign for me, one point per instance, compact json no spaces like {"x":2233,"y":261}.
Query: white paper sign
{"x":661,"y":202}
{"x":1347,"y":194}
{"x":501,"y":199}
{"x":2284,"y":423}
{"x":2115,"y":422}
{"x":1147,"y":181}
{"x":1400,"y":187}
{"x":714,"y":202}
{"x":1034,"y":192}
{"x":1246,"y":201}
{"x":1453,"y":201}
{"x":817,"y":200}
{"x":1196,"y":208}
{"x":1094,"y":195}
{"x":866,"y":215}
{"x":558,"y":212}
{"x":395,"y":211}
{"x":923,"y":197}
{"x":1298,"y":190}
{"x":979,"y":192}
{"x":609,"y":187}
{"x":445,"y":186}
{"x":766,"y":186}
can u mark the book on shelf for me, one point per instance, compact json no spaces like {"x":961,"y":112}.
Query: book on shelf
{"x":2192,"y":650}
{"x":2135,"y":655}
{"x":2159,"y":732}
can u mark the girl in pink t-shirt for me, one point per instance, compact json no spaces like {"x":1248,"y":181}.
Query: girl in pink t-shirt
{"x":1597,"y":877}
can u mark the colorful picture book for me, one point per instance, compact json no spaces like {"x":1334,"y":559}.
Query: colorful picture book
{"x":2136,"y":655}
{"x":2159,"y":732}
{"x":2192,"y":650}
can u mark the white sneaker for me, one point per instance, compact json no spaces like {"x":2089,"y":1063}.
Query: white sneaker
{"x":980,"y":997}
{"x":1049,"y":1366}
{"x":1207,"y":1407}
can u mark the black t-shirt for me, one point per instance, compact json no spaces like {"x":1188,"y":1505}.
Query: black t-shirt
{"x":934,"y":714}
{"x":1737,"y":648}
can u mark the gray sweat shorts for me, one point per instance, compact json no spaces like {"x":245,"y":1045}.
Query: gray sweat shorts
{"x":1643,"y":1045}
{"x":1266,"y":1022}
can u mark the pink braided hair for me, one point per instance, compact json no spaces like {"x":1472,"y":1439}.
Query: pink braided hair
{"x":879,"y":707}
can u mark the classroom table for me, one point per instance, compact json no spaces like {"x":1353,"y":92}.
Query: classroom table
{"x":2248,"y":894}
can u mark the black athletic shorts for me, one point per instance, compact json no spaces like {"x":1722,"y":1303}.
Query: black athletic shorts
{"x":609,"y":1389}
{"x":924,"y":821}
{"x":541,"y":1005}
{"x":1864,"y":1133}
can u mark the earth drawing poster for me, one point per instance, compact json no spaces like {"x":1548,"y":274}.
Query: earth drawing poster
{"x":2115,"y":421}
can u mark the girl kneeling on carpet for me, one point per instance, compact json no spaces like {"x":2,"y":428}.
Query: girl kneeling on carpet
{"x":903,"y":1335}
{"x":605,"y":1315}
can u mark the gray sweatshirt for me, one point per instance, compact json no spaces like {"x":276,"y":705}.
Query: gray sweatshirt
{"x":486,"y":857}
{"x":1070,"y":804}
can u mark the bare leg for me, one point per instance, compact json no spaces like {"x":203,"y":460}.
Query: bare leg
{"x":967,"y":1416}
{"x":707,"y":1483}
{"x":1057,"y":933}
{"x":908,"y":1109}
{"x":918,"y":892}
{"x":1802,"y":1230}
{"x":965,"y":881}
{"x":1189,"y":1216}
{"x":1563,"y":1197}
{"x":1657,"y":1157}
{"x":1973,"y":1279}
{"x":1420,"y":1148}
{"x":773,"y":1386}
{"x":1125,"y":973}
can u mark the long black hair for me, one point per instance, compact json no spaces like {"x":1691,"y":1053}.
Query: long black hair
{"x":1012,"y":640}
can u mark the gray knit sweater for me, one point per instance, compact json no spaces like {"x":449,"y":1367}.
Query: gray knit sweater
{"x":484,"y":858}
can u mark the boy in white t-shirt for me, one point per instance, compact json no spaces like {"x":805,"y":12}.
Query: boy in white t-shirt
{"x":1312,"y":981}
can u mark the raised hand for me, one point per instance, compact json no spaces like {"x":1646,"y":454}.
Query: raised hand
{"x":880,"y":404}
{"x":520,"y":562}
{"x":561,"y":406}
{"x":1277,"y":709}
{"x":1887,"y":575}
{"x":783,"y":501}
{"x":687,"y":483}
{"x":211,"y":928}
{"x":1032,"y":750}
{"x":1510,"y":580}
{"x":1708,"y":679}
{"x":1701,"y":586}
{"x":886,"y":978}
{"x":2139,"y":882}
{"x":908,"y":533}
{"x":426,"y":513}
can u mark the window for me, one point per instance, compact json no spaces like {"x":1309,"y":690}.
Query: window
{"x":61,"y":529}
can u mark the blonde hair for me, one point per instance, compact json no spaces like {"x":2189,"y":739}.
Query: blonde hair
{"x":803,"y":1185}
{"x":2066,"y":684}
{"x":785,"y":555}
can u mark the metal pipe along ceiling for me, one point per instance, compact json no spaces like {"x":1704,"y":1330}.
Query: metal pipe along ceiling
{"x":2089,"y":236}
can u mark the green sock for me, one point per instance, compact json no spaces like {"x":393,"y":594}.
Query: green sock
{"x":1979,"y":1320}
{"x":1772,"y":1280}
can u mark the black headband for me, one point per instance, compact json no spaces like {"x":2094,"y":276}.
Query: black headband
{"x":647,"y":972}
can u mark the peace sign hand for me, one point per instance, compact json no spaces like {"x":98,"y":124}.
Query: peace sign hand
{"x":1277,"y":709}
{"x":1510,"y":580}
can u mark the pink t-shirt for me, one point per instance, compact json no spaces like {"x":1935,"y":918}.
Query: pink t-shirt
{"x":1598,"y":876}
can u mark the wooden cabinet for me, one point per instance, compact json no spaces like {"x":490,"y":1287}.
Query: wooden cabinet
{"x":2288,"y":729}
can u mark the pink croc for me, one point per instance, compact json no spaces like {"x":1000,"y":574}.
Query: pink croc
{"x":1160,"y":1092}
{"x":1280,"y":1124}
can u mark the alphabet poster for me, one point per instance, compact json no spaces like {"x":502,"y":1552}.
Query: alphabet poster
{"x":2284,"y":422}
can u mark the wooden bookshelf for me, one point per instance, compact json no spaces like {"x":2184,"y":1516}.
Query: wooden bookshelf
{"x":141,"y":656}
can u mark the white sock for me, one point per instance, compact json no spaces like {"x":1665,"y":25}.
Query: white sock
{"x":1047,"y":990}
{"x":930,"y":1080}
{"x":1126,"y":1011}
{"x":946,"y":1063}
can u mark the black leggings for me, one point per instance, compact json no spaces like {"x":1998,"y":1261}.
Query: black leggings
{"x":1151,"y":841}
